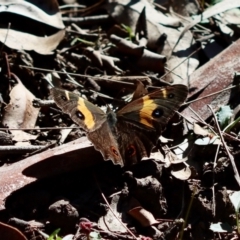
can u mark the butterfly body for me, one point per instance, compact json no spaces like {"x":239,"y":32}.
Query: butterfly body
{"x":129,"y":134}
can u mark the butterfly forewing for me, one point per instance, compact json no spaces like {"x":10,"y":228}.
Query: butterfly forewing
{"x":85,"y":114}
{"x":155,"y":109}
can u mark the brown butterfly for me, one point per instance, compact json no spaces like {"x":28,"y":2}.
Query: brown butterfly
{"x":128,"y":135}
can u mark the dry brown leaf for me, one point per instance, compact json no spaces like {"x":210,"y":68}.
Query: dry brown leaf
{"x":20,"y":113}
{"x":109,"y":221}
{"x":20,"y":40}
{"x":181,"y":172}
{"x":198,"y":130}
{"x":145,"y":59}
{"x":46,"y":12}
{"x":170,"y":157}
{"x":128,"y":14}
{"x":38,"y":15}
{"x":215,"y":9}
{"x":144,"y":217}
{"x":126,"y":8}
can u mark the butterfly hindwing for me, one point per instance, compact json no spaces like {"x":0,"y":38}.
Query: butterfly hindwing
{"x":105,"y":141}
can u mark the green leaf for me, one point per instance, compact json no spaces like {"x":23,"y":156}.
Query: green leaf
{"x":220,"y":227}
{"x":131,"y":35}
{"x":224,"y":115}
{"x":54,"y":235}
{"x":235,"y":200}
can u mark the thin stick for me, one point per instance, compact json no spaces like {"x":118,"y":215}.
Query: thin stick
{"x":225,"y":89}
{"x":209,"y":126}
{"x":131,"y":233}
{"x":236,"y":174}
{"x":181,"y":62}
{"x":45,"y":128}
{"x":75,"y":74}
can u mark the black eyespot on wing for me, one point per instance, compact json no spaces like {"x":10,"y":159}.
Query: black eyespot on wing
{"x":171,"y":95}
{"x":131,"y":151}
{"x":114,"y":151}
{"x":157,"y":113}
{"x":80,"y":115}
{"x":63,"y":98}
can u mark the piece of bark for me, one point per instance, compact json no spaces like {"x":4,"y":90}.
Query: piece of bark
{"x":74,"y":155}
{"x":216,"y":75}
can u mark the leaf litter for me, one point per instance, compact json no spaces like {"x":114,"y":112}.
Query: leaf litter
{"x":20,"y":113}
{"x":187,"y":189}
{"x":14,"y":34}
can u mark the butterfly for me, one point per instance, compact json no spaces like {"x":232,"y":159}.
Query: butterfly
{"x":129,"y":134}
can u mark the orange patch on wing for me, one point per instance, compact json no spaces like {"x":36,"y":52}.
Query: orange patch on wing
{"x":88,"y":117}
{"x":146,"y":112}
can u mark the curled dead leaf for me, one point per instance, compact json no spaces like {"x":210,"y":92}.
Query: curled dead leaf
{"x":145,"y":59}
{"x":20,"y":113}
{"x":25,"y":18}
{"x":29,"y":42}
{"x":198,"y":130}
{"x":144,"y":217}
{"x":181,"y":172}
{"x":46,"y":12}
{"x":111,"y":220}
{"x":128,"y":12}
